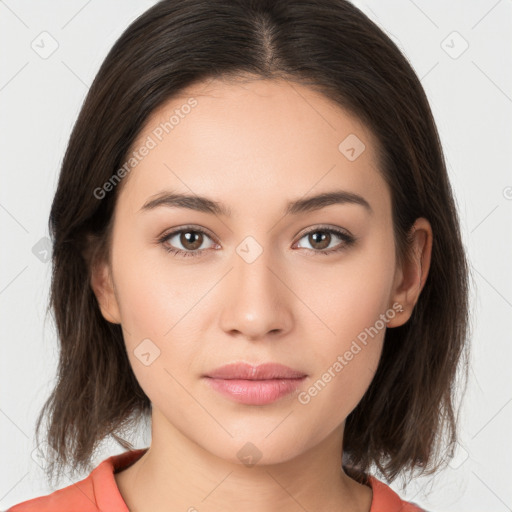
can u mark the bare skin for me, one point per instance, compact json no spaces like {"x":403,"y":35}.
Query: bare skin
{"x":254,"y":147}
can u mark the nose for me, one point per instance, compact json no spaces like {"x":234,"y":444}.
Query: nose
{"x":257,"y":301}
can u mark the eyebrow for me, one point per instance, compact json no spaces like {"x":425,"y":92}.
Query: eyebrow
{"x":207,"y":205}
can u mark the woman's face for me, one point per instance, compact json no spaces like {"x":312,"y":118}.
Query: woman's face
{"x":256,"y":284}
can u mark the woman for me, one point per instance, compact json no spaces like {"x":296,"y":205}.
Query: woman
{"x":255,"y":246}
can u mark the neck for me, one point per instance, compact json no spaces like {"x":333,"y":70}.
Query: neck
{"x":176,"y":473}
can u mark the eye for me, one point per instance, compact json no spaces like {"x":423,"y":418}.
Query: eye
{"x":191,"y":240}
{"x":321,"y":239}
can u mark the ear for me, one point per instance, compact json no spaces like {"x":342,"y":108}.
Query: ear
{"x":103,"y":287}
{"x":411,"y":276}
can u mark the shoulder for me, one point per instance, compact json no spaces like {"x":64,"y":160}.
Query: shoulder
{"x":387,"y":500}
{"x":78,"y":496}
{"x":95,"y":493}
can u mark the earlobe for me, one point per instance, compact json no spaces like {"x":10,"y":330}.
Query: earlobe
{"x":103,"y":288}
{"x":411,"y":277}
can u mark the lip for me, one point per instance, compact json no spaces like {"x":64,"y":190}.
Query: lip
{"x":265,"y":371}
{"x":255,"y":385}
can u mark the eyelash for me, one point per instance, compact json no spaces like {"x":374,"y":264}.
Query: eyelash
{"x":348,"y":240}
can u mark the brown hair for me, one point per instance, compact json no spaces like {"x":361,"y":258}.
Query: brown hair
{"x":328,"y":45}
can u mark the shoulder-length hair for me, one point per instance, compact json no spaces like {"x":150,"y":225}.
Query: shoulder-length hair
{"x":334,"y":48}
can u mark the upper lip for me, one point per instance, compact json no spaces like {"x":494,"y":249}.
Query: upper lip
{"x":265,"y":371}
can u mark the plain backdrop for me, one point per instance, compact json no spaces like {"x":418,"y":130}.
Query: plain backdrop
{"x":461,"y":51}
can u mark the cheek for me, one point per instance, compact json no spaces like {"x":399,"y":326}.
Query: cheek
{"x":156,"y":330}
{"x":350,"y":296}
{"x":154,"y":294}
{"x":156,"y":318}
{"x":337,"y":389}
{"x":354,"y":369}
{"x":353,"y":309}
{"x":346,"y":363}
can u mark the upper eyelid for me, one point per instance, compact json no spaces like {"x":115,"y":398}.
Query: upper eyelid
{"x":324,"y":228}
{"x":187,"y":228}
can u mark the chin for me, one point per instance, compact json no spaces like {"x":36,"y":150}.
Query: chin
{"x":259,"y":449}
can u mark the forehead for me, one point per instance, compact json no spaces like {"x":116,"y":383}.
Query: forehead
{"x":252,"y":139}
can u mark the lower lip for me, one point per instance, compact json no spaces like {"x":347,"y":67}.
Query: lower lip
{"x":255,"y":392}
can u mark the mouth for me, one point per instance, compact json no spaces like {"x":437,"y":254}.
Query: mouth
{"x":255,"y":385}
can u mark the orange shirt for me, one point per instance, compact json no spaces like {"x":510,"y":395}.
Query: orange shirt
{"x":99,"y":492}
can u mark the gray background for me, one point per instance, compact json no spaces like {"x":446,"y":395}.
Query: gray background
{"x":470,"y":91}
